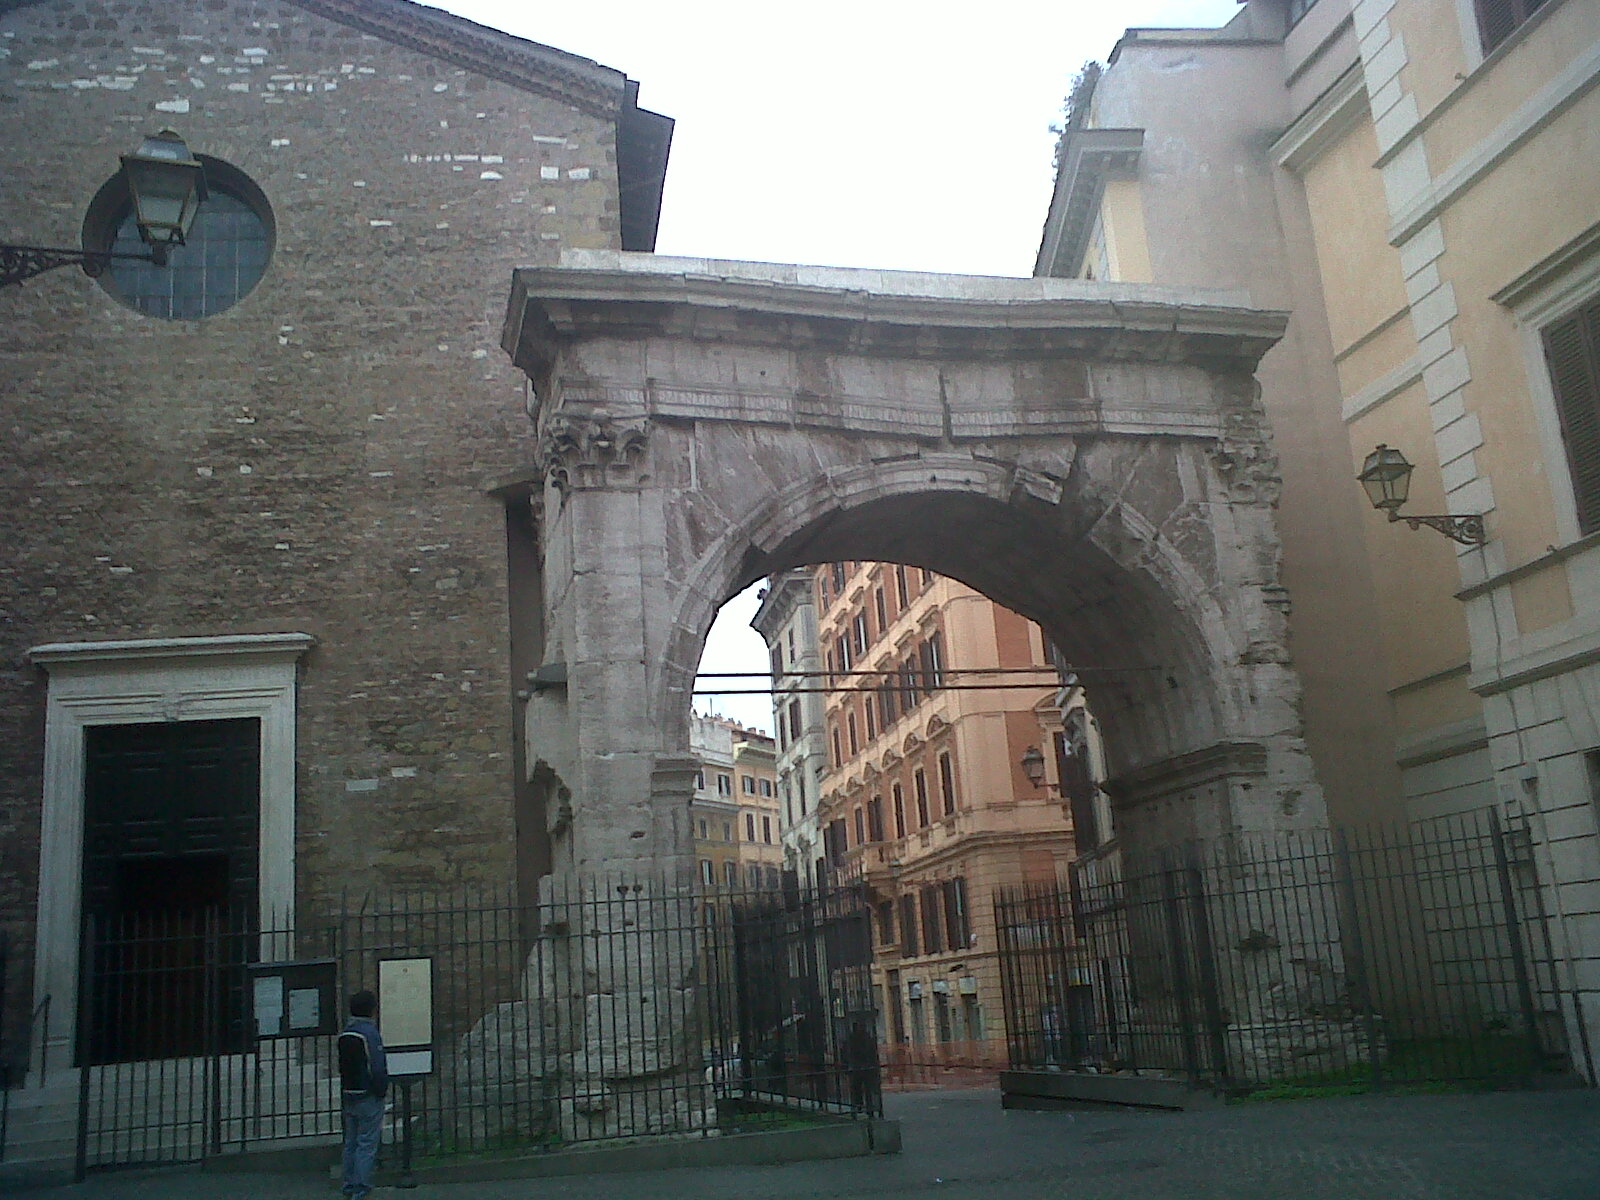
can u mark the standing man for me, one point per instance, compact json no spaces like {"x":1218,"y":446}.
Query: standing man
{"x":364,"y":1076}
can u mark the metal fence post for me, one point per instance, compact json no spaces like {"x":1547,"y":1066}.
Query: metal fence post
{"x":86,"y":949}
{"x":1355,"y":958}
{"x":213,"y":1019}
{"x":1205,"y":955}
{"x":1519,"y":959}
{"x":1180,"y":970}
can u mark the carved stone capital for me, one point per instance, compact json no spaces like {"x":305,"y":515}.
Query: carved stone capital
{"x":1245,"y":462}
{"x":592,"y":451}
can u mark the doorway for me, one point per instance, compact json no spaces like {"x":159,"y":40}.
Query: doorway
{"x":170,"y":870}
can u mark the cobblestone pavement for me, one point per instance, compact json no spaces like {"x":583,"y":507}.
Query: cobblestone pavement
{"x":960,"y":1145}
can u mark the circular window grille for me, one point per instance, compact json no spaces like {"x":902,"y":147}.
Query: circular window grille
{"x":227,"y":252}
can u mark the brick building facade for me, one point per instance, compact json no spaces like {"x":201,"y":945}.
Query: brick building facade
{"x":307,"y":512}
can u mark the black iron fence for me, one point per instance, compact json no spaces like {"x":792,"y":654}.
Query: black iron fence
{"x":6,"y":1052}
{"x":1351,"y":957}
{"x":608,"y":1009}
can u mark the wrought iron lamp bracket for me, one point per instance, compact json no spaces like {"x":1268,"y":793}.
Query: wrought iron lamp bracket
{"x":21,"y":263}
{"x":1467,"y":529}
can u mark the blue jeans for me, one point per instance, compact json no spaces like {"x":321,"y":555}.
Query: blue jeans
{"x":363,"y":1124}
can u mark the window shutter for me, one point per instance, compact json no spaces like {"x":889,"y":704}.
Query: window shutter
{"x":1571,"y":350}
{"x":1498,"y":19}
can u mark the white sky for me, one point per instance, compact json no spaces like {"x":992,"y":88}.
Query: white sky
{"x":858,"y":133}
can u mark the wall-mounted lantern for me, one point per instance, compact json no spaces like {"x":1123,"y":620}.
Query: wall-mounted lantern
{"x":166,"y":184}
{"x":1032,"y":763}
{"x":1386,"y":476}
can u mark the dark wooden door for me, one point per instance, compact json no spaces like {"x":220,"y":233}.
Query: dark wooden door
{"x":171,"y":854}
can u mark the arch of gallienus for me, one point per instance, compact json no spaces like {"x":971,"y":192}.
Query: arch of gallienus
{"x":1093,"y":456}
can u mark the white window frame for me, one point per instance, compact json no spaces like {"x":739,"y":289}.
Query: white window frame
{"x":1534,"y":307}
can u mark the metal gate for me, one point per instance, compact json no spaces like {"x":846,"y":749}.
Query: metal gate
{"x":1350,"y":957}
{"x":777,"y":1018}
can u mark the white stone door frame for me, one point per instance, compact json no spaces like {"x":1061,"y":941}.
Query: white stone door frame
{"x":139,"y":682}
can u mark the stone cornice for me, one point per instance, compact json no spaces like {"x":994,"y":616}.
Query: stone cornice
{"x":610,"y":293}
{"x":1084,"y":158}
{"x":101,"y":653}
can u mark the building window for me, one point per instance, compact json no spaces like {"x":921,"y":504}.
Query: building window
{"x":838,"y":577}
{"x":858,"y":626}
{"x":766,"y":830}
{"x":880,"y":607}
{"x":838,"y":757}
{"x":706,"y":875}
{"x":875,"y":818}
{"x":749,"y":827}
{"x":775,"y":662}
{"x":872,"y":720}
{"x":855,"y":741}
{"x":927,"y":577}
{"x":794,"y":719}
{"x":1572,"y":351}
{"x":885,"y":915}
{"x":730,"y":873}
{"x":766,"y":788}
{"x":727,"y":831}
{"x":800,"y":792}
{"x":705,"y":829}
{"x":902,"y":589}
{"x":724,"y":784}
{"x":888,"y":707}
{"x":1298,"y":9}
{"x":748,"y":784}
{"x":789,"y":638}
{"x":899,"y":811}
{"x":932,"y":919}
{"x":908,"y":925}
{"x":908,"y":684}
{"x":932,"y":654}
{"x":699,"y":781}
{"x":1077,"y":785}
{"x":919,"y":782}
{"x":1499,"y":19}
{"x":861,"y":827}
{"x":220,"y":263}
{"x":947,"y":784}
{"x":958,"y":931}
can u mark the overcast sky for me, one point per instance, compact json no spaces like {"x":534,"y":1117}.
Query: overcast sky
{"x":857,"y":133}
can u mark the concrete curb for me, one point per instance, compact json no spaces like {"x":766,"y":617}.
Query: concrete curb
{"x":1058,"y":1089}
{"x":845,"y":1139}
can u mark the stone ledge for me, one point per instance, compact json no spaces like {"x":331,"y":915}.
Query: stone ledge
{"x":1055,"y":1089}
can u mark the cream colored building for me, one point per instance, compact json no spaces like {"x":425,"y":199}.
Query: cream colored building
{"x":1418,"y":182}
{"x":927,"y":796}
{"x":733,"y":813}
{"x":786,"y":618}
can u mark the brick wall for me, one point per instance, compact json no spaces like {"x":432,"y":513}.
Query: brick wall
{"x":313,"y":459}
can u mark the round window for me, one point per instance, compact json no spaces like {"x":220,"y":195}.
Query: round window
{"x":225,"y":256}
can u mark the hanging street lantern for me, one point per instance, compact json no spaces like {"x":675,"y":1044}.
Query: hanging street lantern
{"x":1386,"y":476}
{"x":166,"y":185}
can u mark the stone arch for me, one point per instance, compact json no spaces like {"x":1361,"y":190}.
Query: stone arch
{"x":1093,"y":457}
{"x":844,"y":515}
